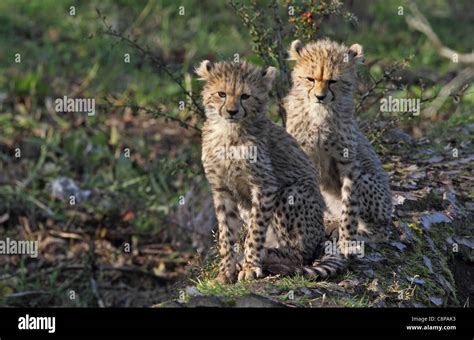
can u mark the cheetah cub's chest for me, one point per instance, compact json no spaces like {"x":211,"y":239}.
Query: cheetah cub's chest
{"x":231,"y":156}
{"x":322,"y":137}
{"x":237,"y":179}
{"x":324,"y":134}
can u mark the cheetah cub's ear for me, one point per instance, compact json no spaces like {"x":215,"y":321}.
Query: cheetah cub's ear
{"x":269,"y":75}
{"x":204,"y":70}
{"x":356,"y":54}
{"x":295,"y":50}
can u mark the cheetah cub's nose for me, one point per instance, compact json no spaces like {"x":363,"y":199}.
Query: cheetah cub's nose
{"x":321,"y":98}
{"x":232,"y":112}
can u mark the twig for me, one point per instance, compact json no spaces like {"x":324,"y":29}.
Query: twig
{"x":153,"y":112}
{"x":41,"y":205}
{"x":155,"y":62}
{"x":447,"y":90}
{"x":95,"y":291}
{"x":375,"y":85}
{"x":66,"y":235}
{"x":92,"y":272}
{"x":419,"y":22}
{"x":281,"y":62}
{"x":26,"y":293}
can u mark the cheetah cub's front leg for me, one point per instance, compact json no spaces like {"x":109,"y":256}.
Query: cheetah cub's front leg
{"x":260,"y":217}
{"x":350,"y":209}
{"x":229,"y":224}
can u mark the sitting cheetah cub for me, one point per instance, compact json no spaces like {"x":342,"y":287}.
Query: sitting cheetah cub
{"x":320,"y":110}
{"x":258,"y":174}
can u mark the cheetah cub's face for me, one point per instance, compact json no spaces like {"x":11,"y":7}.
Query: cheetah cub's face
{"x":235,"y":92}
{"x":325,"y":71}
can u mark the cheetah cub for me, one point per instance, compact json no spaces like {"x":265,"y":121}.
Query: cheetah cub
{"x":261,"y":180}
{"x":320,"y":110}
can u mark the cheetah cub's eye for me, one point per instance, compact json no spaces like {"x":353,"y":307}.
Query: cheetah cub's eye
{"x":244,"y":96}
{"x":310,"y":79}
{"x":332,"y":81}
{"x":221,"y":94}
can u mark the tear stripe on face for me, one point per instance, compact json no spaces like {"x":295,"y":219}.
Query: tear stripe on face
{"x":243,"y":107}
{"x":311,"y":89}
{"x":332,"y":92}
{"x":222,"y":106}
{"x":333,"y":95}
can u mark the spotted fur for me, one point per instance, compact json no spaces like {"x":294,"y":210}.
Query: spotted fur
{"x":275,"y":198}
{"x":321,"y":118}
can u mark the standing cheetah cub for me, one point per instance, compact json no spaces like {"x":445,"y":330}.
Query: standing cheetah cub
{"x":260,"y":175}
{"x":320,"y":109}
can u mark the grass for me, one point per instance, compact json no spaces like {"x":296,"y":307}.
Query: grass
{"x":227,"y":292}
{"x":63,"y":54}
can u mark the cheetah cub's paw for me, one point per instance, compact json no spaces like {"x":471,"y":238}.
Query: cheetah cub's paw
{"x":226,"y":276}
{"x":250,"y":272}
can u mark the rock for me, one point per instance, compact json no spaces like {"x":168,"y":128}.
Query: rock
{"x":416,"y":280}
{"x":306,"y":291}
{"x":170,"y":304}
{"x":434,"y":159}
{"x":380,"y":301}
{"x":349,"y":285}
{"x":407,"y":235}
{"x":428,"y":263}
{"x":418,"y":305}
{"x":375,"y":257}
{"x":254,"y":300}
{"x":465,"y":241}
{"x":436,"y":217}
{"x":204,"y":301}
{"x":397,"y":135}
{"x":369,"y":273}
{"x":460,"y":161}
{"x":64,"y":187}
{"x":192,"y":291}
{"x":451,"y":204}
{"x":398,"y":199}
{"x":400,"y":246}
{"x":276,"y":291}
{"x":430,"y":242}
{"x":436,"y":300}
{"x":447,"y":286}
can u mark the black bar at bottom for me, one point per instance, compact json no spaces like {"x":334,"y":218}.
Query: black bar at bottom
{"x":211,"y":323}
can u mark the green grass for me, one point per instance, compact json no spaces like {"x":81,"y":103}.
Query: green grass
{"x":66,"y":55}
{"x":227,"y":292}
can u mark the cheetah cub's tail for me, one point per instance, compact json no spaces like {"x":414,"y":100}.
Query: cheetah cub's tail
{"x":326,"y":267}
{"x":280,"y":262}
